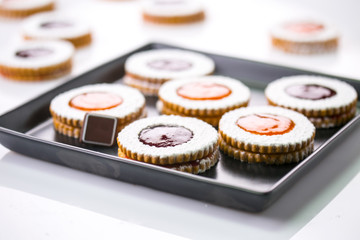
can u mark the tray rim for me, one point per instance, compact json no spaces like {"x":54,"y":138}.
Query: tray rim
{"x":281,"y":182}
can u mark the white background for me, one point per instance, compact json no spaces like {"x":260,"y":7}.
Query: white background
{"x":232,"y":27}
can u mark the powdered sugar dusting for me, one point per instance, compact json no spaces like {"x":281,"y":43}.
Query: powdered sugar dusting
{"x":240,"y":93}
{"x":137,"y":64}
{"x":133,"y":101}
{"x":302,"y":131}
{"x":345,"y":93}
{"x":204,"y":136}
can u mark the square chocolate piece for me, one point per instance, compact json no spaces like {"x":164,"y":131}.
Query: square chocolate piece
{"x":98,"y":129}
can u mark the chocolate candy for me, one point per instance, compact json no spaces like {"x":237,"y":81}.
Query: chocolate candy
{"x":98,"y":129}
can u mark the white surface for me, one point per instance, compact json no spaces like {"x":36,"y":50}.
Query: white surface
{"x":338,"y":219}
{"x":235,"y":28}
{"x":41,"y":218}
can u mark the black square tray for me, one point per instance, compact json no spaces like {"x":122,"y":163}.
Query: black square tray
{"x":253,"y":187}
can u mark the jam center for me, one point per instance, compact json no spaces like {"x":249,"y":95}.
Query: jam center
{"x":265,"y":124}
{"x":203,"y":91}
{"x":95,"y":101}
{"x":56,"y":24}
{"x":310,"y":91}
{"x":33,"y":53}
{"x":170,"y":64}
{"x":304,"y":27}
{"x":165,"y":136}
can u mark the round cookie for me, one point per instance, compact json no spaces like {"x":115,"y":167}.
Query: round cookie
{"x":326,"y":102}
{"x":24,"y":8}
{"x":56,"y":26}
{"x":181,"y":143}
{"x":304,"y":37}
{"x":206,"y":98}
{"x":266,"y":134}
{"x":173,"y":11}
{"x":37,"y":60}
{"x":148,"y":70}
{"x":68,"y":109}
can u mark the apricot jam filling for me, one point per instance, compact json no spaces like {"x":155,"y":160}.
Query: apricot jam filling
{"x":165,"y":136}
{"x":203,"y":91}
{"x":310,"y":91}
{"x":265,"y":124}
{"x":95,"y":101}
{"x":304,"y":27}
{"x":174,"y":65}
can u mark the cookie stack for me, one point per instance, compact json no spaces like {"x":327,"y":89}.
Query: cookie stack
{"x":206,"y":98}
{"x":69,"y":108}
{"x":148,"y":70}
{"x":269,"y":135}
{"x":179,"y":143}
{"x":326,"y":102}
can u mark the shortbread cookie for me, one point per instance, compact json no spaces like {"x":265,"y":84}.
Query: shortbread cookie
{"x":304,"y":37}
{"x":266,"y":134}
{"x":37,"y":60}
{"x":56,"y":26}
{"x":173,"y":11}
{"x":148,"y":70}
{"x":326,"y":102}
{"x":24,"y":8}
{"x":69,"y":108}
{"x":181,"y":143}
{"x":206,"y":98}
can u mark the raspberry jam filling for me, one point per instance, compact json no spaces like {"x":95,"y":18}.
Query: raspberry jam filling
{"x":33,"y":52}
{"x":55,"y":24}
{"x":310,"y":91}
{"x":265,"y":124}
{"x":95,"y":101}
{"x":203,"y":91}
{"x":165,"y":136}
{"x":304,"y":27}
{"x":173,"y":65}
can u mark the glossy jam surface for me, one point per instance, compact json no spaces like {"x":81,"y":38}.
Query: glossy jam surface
{"x":174,"y":65}
{"x":203,"y":91}
{"x":55,"y":24}
{"x":165,"y":136}
{"x":95,"y":101}
{"x":33,"y":52}
{"x":310,"y":91}
{"x":304,"y":27}
{"x":265,"y":124}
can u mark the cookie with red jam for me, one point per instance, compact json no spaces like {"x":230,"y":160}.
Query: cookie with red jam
{"x":266,"y":134}
{"x":325,"y":101}
{"x":304,"y":37}
{"x":180,"y":143}
{"x":68,"y":109}
{"x":57,"y":26}
{"x":206,"y":98}
{"x":24,"y":8}
{"x":148,"y":70}
{"x":173,"y":11}
{"x":37,"y":60}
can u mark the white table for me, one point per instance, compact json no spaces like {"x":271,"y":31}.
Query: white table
{"x":38,"y":198}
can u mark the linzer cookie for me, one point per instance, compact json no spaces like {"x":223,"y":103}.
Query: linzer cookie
{"x":326,"y":102}
{"x":69,"y":108}
{"x":305,"y":37}
{"x":266,"y":134}
{"x":180,"y":143}
{"x":37,"y":60}
{"x":173,"y":11}
{"x":206,"y":98}
{"x":24,"y":8}
{"x":55,"y":26}
{"x":148,"y":70}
